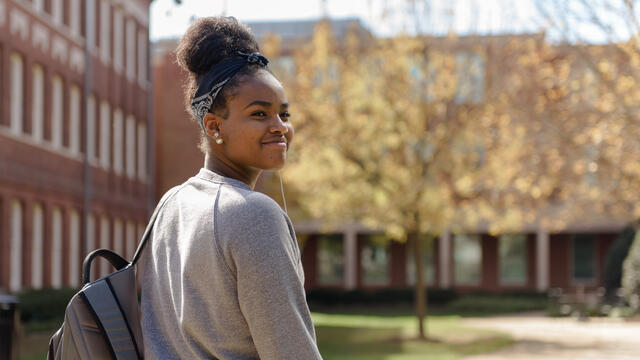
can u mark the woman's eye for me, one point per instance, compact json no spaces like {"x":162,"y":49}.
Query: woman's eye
{"x":285,"y":115}
{"x":258,"y":113}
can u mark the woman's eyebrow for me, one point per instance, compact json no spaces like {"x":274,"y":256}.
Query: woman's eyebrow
{"x":258,"y":102}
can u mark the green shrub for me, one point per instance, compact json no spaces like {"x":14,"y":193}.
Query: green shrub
{"x":323,"y":296}
{"x":489,"y":304}
{"x":45,"y":304}
{"x":615,"y":257}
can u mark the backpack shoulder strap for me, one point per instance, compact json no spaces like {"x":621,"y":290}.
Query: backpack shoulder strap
{"x":147,"y":231}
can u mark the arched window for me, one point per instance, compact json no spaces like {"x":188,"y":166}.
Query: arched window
{"x":37,"y":233}
{"x":56,"y":248}
{"x":15,"y":268}
{"x":74,"y":248}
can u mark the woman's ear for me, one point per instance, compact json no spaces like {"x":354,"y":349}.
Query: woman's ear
{"x":211,"y":124}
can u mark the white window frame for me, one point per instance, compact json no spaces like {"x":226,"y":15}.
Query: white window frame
{"x":37,"y":243}
{"x":131,"y":49}
{"x":15,"y":267}
{"x":143,"y":40}
{"x":17,"y":92}
{"x":75,"y":18}
{"x":142,"y":151}
{"x":37,"y":104}
{"x":90,"y":240}
{"x":38,"y":5}
{"x":74,"y":119}
{"x":118,"y":237}
{"x":118,"y":141}
{"x":130,"y":138}
{"x":91,"y":150}
{"x":105,"y":31}
{"x":57,"y":14}
{"x":105,"y":234}
{"x":57,"y":111}
{"x":105,"y":135}
{"x":118,"y":40}
{"x":74,"y":248}
{"x":130,"y":239}
{"x":56,"y":247}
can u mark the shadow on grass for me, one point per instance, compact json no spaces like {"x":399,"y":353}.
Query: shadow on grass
{"x":377,"y":343}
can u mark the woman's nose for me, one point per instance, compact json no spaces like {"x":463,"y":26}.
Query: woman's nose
{"x":279,"y":126}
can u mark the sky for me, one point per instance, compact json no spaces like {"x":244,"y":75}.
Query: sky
{"x":383,"y":17}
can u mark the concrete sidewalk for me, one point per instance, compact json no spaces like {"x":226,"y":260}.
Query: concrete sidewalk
{"x":540,"y":337}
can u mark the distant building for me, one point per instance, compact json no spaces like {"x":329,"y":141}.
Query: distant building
{"x":74,"y":146}
{"x":353,"y":256}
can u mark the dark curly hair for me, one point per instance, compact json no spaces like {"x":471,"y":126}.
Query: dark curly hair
{"x":208,"y":41}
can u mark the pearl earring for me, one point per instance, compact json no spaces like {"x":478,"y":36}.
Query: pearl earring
{"x":218,"y":139}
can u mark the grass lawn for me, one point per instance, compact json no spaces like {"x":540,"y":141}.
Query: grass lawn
{"x":385,"y":337}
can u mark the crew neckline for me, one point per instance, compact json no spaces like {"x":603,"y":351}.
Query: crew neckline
{"x":213,"y":176}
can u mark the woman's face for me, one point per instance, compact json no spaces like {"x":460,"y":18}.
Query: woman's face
{"x":257,"y":133}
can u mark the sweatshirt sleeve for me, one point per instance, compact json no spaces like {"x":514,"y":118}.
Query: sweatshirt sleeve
{"x":266,"y":261}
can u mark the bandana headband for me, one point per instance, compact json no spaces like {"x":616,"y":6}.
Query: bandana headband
{"x":216,"y":77}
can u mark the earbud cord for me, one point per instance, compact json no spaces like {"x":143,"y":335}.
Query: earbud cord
{"x":282,"y":191}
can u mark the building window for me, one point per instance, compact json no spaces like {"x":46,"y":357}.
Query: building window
{"x":75,"y":20}
{"x":57,"y":111}
{"x":38,"y":5}
{"x":37,"y":108}
{"x":17,"y":93}
{"x":118,"y":40}
{"x":467,"y":259}
{"x":330,"y":260}
{"x":56,"y":11}
{"x":131,"y":49}
{"x":584,"y":258}
{"x":37,"y":232}
{"x":141,"y":229}
{"x":513,"y":259}
{"x":104,"y":243}
{"x":56,"y":248}
{"x":142,"y":152}
{"x":470,"y":70}
{"x":374,"y":260}
{"x":130,"y":239}
{"x":118,"y":143}
{"x":118,"y":245}
{"x":105,"y":31}
{"x":105,"y":134}
{"x":428,"y":268}
{"x":131,"y":147}
{"x":74,"y":119}
{"x":91,"y":130}
{"x":74,"y":248}
{"x":143,"y":39}
{"x":15,"y":279}
{"x":90,"y":241}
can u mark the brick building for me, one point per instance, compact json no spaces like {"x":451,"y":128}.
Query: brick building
{"x":353,"y":256}
{"x":74,"y":135}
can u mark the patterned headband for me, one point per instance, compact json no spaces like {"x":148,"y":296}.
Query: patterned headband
{"x":218,"y":75}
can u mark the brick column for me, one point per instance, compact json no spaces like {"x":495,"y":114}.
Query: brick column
{"x":542,"y":260}
{"x":444,"y":257}
{"x":350,"y":258}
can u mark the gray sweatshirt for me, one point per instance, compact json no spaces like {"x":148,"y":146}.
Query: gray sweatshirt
{"x":221,"y":277}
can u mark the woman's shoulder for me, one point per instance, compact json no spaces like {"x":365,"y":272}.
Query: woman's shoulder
{"x":243,"y":202}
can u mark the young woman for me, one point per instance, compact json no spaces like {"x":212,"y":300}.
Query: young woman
{"x":221,"y":277}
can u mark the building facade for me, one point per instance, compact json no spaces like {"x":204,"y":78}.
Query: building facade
{"x":354,"y":257}
{"x":74,"y":136}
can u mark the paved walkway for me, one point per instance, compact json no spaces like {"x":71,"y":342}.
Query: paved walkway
{"x":543,"y":338}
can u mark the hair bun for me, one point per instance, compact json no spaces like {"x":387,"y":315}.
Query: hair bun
{"x":211,"y":39}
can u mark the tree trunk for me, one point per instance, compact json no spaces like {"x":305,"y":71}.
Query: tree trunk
{"x":420,"y":288}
